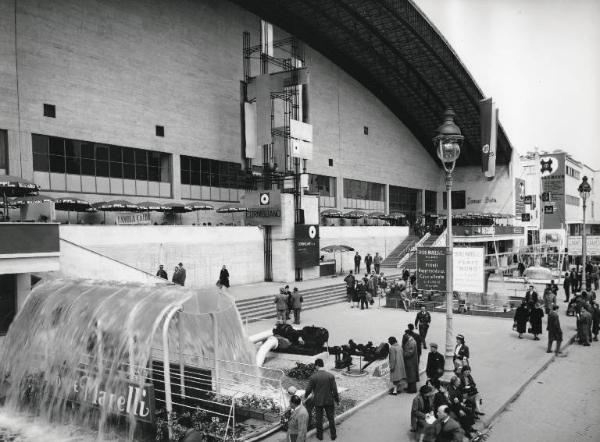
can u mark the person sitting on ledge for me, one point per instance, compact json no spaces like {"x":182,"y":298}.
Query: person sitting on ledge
{"x":469,"y":389}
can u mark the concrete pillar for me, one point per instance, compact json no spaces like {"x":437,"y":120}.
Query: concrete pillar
{"x":23,"y":288}
{"x":176,"y":176}
{"x":339,"y":192}
{"x":422,"y":200}
{"x":387,"y":199}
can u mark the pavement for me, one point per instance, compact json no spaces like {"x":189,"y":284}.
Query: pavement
{"x":561,"y":405}
{"x":501,"y":363}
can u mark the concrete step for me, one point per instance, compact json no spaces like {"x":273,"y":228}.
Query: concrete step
{"x":272,"y":313}
{"x":308,"y":293}
{"x":269,"y":305}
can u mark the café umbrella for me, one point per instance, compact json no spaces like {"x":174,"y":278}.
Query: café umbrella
{"x":197,"y":206}
{"x":69,"y":204}
{"x":355,"y":214}
{"x":338,"y":248}
{"x":115,"y":206}
{"x":178,"y":208}
{"x":331,"y":213}
{"x":31,"y":199}
{"x":11,"y":186}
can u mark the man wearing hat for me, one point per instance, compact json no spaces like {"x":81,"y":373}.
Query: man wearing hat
{"x":281,"y":305}
{"x":435,"y":362}
{"x":422,"y":405}
{"x":162,"y":273}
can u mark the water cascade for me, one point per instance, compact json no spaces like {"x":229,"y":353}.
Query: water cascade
{"x":89,"y":353}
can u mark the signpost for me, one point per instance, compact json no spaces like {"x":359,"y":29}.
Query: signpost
{"x":431,"y":268}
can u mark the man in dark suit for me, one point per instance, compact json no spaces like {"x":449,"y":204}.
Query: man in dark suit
{"x":435,"y":363}
{"x":450,"y":430}
{"x":324,"y":389}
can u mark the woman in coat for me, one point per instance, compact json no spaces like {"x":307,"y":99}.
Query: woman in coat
{"x":397,"y":372}
{"x":535,"y":317}
{"x":411,"y":362}
{"x":521,"y":318}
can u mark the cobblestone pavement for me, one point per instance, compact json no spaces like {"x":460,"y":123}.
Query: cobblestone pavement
{"x":561,"y":405}
{"x":501,"y":362}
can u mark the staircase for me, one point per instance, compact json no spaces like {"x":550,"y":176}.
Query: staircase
{"x":398,"y":253}
{"x":263,"y":307}
{"x":411,"y":263}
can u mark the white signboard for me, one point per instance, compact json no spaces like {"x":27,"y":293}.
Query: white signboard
{"x":593,"y":245}
{"x":134,"y":218}
{"x":468,"y":269}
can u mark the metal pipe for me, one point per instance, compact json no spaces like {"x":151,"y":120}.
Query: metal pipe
{"x":216,"y":349}
{"x":167,"y":367}
{"x":181,"y":359}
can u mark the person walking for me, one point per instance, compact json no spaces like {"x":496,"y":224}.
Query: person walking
{"x":324,"y":389}
{"x":521,"y":268}
{"x":435,"y":363}
{"x":549,"y":298}
{"x":595,"y":320}
{"x":567,"y":287}
{"x":521,"y":318}
{"x":357,"y":259}
{"x":162,"y":273}
{"x":297,"y":301}
{"x":350,"y":281}
{"x":377,"y":262}
{"x":368,"y":262}
{"x":535,"y":318}
{"x":224,"y":277}
{"x":531,"y":297}
{"x":411,"y":362}
{"x":573,"y":280}
{"x":422,"y":321}
{"x":396,"y":361}
{"x":554,"y":330}
{"x":298,"y":422}
{"x":281,"y":305}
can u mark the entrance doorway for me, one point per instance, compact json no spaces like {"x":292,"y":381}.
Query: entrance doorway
{"x":8,"y":301}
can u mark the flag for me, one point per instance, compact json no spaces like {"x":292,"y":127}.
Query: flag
{"x":488,"y":127}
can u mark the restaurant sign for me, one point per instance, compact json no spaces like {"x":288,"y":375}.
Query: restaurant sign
{"x":487,"y":230}
{"x":264,"y":208}
{"x":134,"y":219}
{"x":431,"y":268}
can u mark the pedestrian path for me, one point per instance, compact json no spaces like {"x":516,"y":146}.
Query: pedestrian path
{"x":501,"y":362}
{"x":561,"y":404}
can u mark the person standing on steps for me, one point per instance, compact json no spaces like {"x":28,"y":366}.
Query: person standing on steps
{"x":554,"y":330}
{"x":357,"y":259}
{"x":422,"y":321}
{"x":377,"y":262}
{"x":350,"y":281}
{"x":297,"y":301}
{"x":162,"y":273}
{"x":368,"y":262}
{"x":324,"y":389}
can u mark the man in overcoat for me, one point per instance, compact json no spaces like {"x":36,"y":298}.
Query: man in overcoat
{"x":411,"y":362}
{"x":324,"y":389}
{"x":554,"y":330}
{"x":396,"y":361}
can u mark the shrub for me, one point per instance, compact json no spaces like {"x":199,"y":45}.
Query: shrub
{"x":301,"y":371}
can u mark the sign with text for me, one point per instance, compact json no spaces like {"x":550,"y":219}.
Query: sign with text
{"x":519,"y":196}
{"x":134,"y":219}
{"x":264,"y":208}
{"x":431,"y":268}
{"x":552,"y":170}
{"x":592,"y":243}
{"x":306,"y":245}
{"x":382,"y":370}
{"x":487,"y":230}
{"x":468,"y":269}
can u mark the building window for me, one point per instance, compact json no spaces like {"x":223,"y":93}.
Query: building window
{"x":430,"y":201}
{"x":160,"y":131}
{"x":366,"y":130}
{"x":3,"y":152}
{"x":573,"y":172}
{"x":85,"y":166}
{"x":325,"y":187}
{"x":206,"y":179}
{"x":363,"y":195}
{"x":49,"y":110}
{"x":572,"y":200}
{"x":459,"y":200}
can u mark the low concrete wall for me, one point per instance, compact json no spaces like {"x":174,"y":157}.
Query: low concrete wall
{"x":203,"y":250}
{"x":365,"y":239}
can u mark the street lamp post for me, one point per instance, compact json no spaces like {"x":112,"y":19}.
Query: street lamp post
{"x":447,"y":143}
{"x":584,"y":192}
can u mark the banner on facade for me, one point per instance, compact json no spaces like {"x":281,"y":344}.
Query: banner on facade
{"x":134,"y":219}
{"x":264,"y":207}
{"x":468,"y":269}
{"x":520,"y":196}
{"x":431,"y":268}
{"x":552,"y":170}
{"x":488,"y":130}
{"x":306,"y":245}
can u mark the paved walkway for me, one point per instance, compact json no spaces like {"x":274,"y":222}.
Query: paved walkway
{"x":501,"y":362}
{"x":561,"y":405}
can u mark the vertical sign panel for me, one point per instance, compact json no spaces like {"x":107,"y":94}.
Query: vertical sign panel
{"x":468,"y":270}
{"x":552,"y":169}
{"x":431,"y":268}
{"x":306,"y":245}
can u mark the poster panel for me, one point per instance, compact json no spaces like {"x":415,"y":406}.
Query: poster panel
{"x":306,"y":245}
{"x":468,"y":269}
{"x":431,"y":268}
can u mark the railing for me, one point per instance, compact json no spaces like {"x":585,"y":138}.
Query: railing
{"x":413,"y":249}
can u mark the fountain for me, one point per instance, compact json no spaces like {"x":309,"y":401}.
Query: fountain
{"x":90,"y":354}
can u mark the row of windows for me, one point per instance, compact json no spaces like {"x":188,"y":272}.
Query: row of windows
{"x":211,"y":173}
{"x":572,"y":200}
{"x":324,"y":186}
{"x":75,"y":157}
{"x":363,"y":190}
{"x":403,"y":199}
{"x":590,"y":229}
{"x":573,"y":172}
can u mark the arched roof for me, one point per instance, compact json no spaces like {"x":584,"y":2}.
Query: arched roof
{"x":394,"y":51}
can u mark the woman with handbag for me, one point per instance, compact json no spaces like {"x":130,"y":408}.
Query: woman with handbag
{"x":461,"y":353}
{"x":469,"y":389}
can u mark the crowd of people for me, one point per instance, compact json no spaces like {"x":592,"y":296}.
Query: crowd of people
{"x":179,"y":274}
{"x":369,"y":261}
{"x":286,"y":302}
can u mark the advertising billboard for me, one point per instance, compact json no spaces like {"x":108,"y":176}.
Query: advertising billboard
{"x":552,"y":170}
{"x":306,"y":245}
{"x":468,"y":269}
{"x":431,"y":268}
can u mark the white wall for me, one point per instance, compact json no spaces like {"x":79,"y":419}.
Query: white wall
{"x":203,"y":250}
{"x":365,"y":239}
